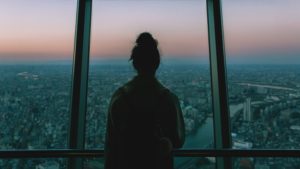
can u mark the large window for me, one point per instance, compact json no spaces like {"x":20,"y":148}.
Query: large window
{"x":181,"y":30}
{"x":36,"y":48}
{"x":36,"y":65}
{"x":263,"y":47}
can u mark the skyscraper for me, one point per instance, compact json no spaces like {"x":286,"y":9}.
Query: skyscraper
{"x":247,"y":114}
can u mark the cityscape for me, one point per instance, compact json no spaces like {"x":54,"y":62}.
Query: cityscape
{"x":264,"y":103}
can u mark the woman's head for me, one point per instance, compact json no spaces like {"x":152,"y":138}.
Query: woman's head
{"x":145,"y":55}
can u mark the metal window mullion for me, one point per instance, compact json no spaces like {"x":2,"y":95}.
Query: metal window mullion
{"x":80,"y":80}
{"x":218,"y":78}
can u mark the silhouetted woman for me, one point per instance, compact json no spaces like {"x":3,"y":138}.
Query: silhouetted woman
{"x":144,"y":118}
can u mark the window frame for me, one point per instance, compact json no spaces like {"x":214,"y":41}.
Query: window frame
{"x":80,"y":80}
{"x":221,"y":117}
{"x":222,"y":134}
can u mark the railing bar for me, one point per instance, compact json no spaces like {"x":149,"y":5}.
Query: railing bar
{"x":178,"y":153}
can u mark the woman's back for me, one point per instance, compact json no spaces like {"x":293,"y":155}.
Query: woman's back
{"x":141,"y":113}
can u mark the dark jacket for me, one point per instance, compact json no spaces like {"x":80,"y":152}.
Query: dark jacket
{"x":134,"y":111}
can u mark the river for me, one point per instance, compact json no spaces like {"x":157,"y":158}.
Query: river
{"x":199,"y":140}
{"x":204,"y":135}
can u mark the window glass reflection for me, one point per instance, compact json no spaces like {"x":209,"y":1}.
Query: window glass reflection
{"x":262,"y":46}
{"x":181,"y":30}
{"x":36,"y":48}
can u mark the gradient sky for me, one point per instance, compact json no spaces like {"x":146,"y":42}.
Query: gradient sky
{"x":256,"y":30}
{"x":37,"y":29}
{"x":262,"y":31}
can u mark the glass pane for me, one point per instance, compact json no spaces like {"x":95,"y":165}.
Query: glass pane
{"x":195,"y":163}
{"x":266,"y":163}
{"x":179,"y":163}
{"x":36,"y":43}
{"x":263,"y":47}
{"x":94,"y":163}
{"x":181,"y":30}
{"x":38,"y":163}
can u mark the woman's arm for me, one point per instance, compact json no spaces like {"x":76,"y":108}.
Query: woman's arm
{"x":180,"y":128}
{"x":175,"y":121}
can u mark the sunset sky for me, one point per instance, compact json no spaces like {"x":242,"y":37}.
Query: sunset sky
{"x":256,"y":30}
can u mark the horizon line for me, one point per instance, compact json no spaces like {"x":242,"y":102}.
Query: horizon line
{"x":118,"y":61}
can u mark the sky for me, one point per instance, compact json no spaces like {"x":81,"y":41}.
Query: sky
{"x":257,"y":31}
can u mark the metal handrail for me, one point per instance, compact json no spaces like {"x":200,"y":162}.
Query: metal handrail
{"x":72,"y":153}
{"x":238,"y":153}
{"x":61,"y":153}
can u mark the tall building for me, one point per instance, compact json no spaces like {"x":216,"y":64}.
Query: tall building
{"x":247,"y":114}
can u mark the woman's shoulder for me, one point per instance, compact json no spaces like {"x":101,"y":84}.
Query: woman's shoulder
{"x":120,"y":93}
{"x":123,"y":91}
{"x":168,"y":94}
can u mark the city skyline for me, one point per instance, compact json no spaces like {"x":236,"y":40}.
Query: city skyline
{"x":34,"y":96}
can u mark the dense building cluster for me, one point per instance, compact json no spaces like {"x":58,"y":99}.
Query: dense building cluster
{"x":267,"y":114}
{"x":35,"y":109}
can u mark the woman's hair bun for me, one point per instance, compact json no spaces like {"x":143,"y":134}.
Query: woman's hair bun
{"x":145,"y":54}
{"x":146,"y":40}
